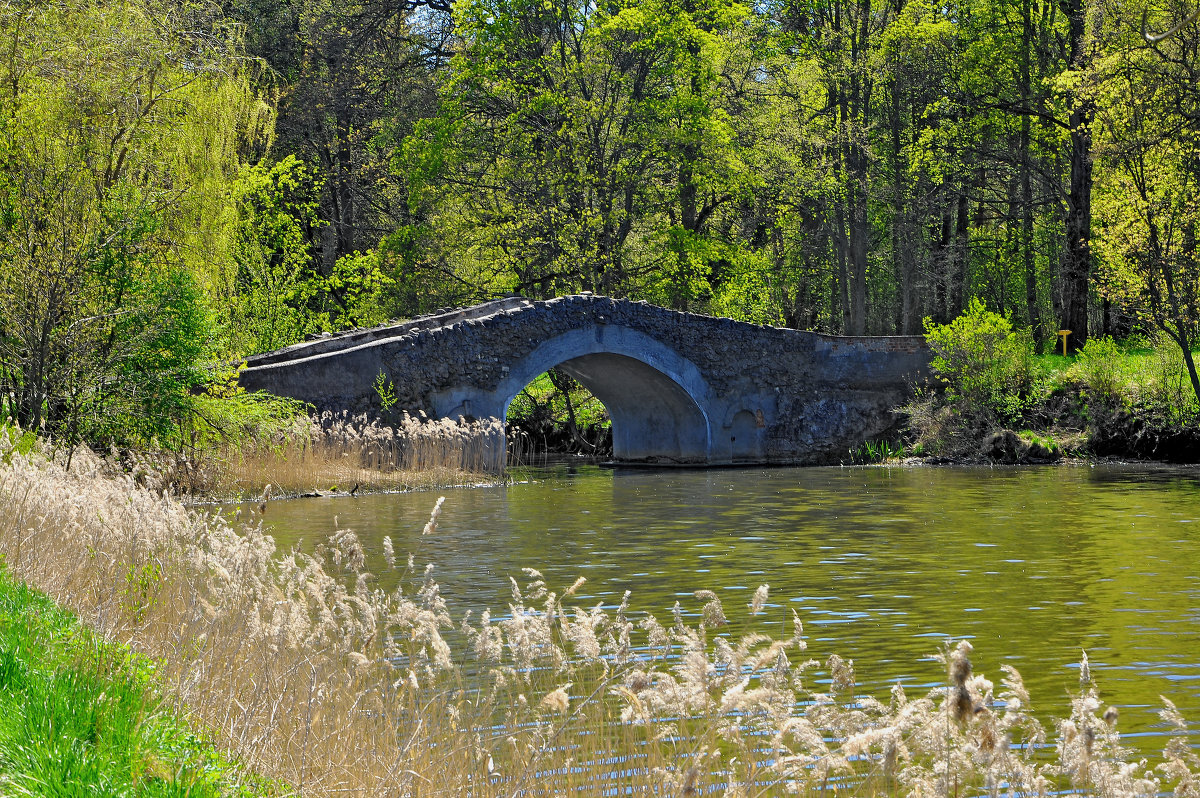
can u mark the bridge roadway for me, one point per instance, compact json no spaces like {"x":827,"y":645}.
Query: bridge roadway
{"x":680,"y":387}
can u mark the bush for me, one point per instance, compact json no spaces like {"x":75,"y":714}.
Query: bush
{"x":984,"y":364}
{"x":1098,"y":366}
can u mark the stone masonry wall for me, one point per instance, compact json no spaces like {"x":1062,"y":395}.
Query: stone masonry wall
{"x":814,"y":394}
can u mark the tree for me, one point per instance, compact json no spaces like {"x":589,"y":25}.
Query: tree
{"x":1079,"y":111}
{"x":576,"y":142}
{"x":351,"y":78}
{"x":113,"y":128}
{"x":269,"y":303}
{"x":1149,"y":108}
{"x":840,"y":39}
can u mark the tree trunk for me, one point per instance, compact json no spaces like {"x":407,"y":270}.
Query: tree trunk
{"x":1030,"y":265}
{"x":859,"y":233}
{"x":958,"y":277}
{"x":939,"y":260}
{"x":841,"y":291}
{"x":1075,"y":279}
{"x":903,"y":262}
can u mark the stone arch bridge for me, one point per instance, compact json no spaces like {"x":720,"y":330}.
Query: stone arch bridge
{"x":679,"y":387}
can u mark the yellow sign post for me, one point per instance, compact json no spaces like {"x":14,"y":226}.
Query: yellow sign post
{"x":1063,"y":335}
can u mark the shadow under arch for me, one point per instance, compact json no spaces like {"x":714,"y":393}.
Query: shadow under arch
{"x":655,"y":397}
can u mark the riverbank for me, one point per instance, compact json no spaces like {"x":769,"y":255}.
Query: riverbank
{"x":325,"y":455}
{"x":1067,"y":422}
{"x":79,"y":714}
{"x":993,"y":400}
{"x":315,"y":678}
{"x":283,"y":658}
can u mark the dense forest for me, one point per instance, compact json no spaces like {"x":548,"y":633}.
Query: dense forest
{"x":183,"y":183}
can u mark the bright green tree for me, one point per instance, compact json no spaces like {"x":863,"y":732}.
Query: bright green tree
{"x":583,"y":147}
{"x":268,"y":301}
{"x":1149,"y":109}
{"x":118,"y":132}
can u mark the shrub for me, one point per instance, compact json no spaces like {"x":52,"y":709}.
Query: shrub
{"x":1098,"y":366}
{"x":984,"y":364}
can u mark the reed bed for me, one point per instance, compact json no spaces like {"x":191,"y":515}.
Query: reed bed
{"x":311,"y":675}
{"x":338,"y":452}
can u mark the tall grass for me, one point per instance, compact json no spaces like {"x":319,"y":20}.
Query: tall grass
{"x":78,"y":716}
{"x":335,"y":452}
{"x":315,"y":677}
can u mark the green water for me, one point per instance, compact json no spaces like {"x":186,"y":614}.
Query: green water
{"x":1033,"y":565}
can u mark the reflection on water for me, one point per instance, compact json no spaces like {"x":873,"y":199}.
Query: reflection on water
{"x":1032,"y":564}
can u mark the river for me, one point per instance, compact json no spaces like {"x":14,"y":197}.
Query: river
{"x":1033,"y":565}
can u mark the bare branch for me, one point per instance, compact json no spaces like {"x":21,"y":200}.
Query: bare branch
{"x":1154,"y":38}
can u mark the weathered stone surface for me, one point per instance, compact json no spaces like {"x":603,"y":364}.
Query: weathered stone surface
{"x":680,"y":387}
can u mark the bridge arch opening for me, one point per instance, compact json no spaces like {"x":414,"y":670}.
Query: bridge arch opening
{"x":653,"y":417}
{"x":653,"y":396}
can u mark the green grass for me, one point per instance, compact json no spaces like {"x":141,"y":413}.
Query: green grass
{"x":871,"y":452}
{"x":79,"y":716}
{"x":1120,"y":368}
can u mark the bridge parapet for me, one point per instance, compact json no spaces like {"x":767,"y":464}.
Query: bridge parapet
{"x":680,"y":387}
{"x":336,"y":342}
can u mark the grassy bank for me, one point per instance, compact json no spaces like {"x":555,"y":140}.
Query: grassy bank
{"x":79,"y":715}
{"x":993,"y":399}
{"x":316,"y":679}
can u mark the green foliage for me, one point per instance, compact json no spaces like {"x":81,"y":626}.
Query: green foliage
{"x":14,"y":440}
{"x":1045,"y":445}
{"x":274,"y":285}
{"x":1141,"y":374}
{"x":744,"y":290}
{"x":1099,"y":365}
{"x":226,"y":415}
{"x":1164,"y":383}
{"x":871,"y":452}
{"x":557,"y":413}
{"x":555,"y":162}
{"x":357,"y":291}
{"x":151,"y":390}
{"x":117,"y":131}
{"x":385,"y":389}
{"x":352,"y":78}
{"x":1148,"y":106}
{"x":544,"y":395}
{"x":167,"y":200}
{"x":983,"y":363}
{"x":280,"y":296}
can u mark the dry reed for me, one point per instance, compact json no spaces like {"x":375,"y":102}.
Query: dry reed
{"x":337,"y":452}
{"x":313,"y":676}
